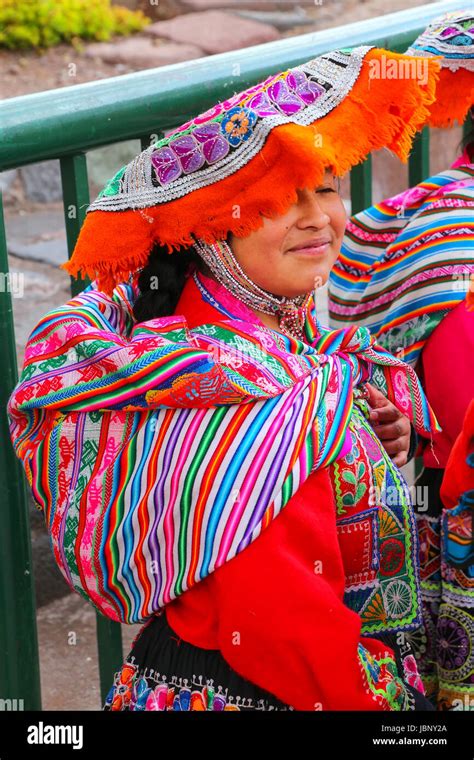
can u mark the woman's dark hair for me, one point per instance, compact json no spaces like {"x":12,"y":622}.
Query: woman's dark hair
{"x":468,"y":142}
{"x":162,"y":280}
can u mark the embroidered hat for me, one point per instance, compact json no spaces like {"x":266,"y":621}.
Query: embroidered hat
{"x":452,"y":37}
{"x":247,"y":156}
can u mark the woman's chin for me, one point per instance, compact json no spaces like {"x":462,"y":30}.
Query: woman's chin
{"x":316,"y":280}
{"x":307,"y":281}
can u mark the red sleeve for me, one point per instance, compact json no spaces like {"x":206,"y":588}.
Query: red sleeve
{"x":455,"y":334}
{"x":459,"y":476}
{"x":282,"y":623}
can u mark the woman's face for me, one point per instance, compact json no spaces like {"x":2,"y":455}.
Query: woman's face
{"x":293,"y":252}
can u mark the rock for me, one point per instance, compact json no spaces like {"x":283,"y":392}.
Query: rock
{"x":7,"y":179}
{"x":256,"y":5}
{"x":279,"y":19}
{"x":42,"y":181}
{"x":37,"y":285}
{"x":214,"y":31}
{"x":143,"y":53}
{"x":38,"y":235}
{"x":51,"y":251}
{"x":158,"y":10}
{"x":103,"y":163}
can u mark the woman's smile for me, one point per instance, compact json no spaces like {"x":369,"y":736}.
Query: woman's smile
{"x":312,"y":248}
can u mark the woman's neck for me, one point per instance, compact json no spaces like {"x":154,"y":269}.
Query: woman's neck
{"x":269,"y":320}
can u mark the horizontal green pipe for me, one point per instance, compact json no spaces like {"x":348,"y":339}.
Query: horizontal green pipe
{"x":67,"y":120}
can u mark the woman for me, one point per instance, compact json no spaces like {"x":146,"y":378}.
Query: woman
{"x":457,"y":570}
{"x":194,"y":434}
{"x":404,"y":271}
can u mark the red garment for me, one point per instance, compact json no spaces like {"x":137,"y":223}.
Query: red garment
{"x":447,"y":363}
{"x":276,"y":611}
{"x":459,"y":476}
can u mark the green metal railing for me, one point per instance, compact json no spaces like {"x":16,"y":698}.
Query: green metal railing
{"x":64,"y":124}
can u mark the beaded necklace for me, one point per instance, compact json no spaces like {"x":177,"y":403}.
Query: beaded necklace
{"x":291,"y":312}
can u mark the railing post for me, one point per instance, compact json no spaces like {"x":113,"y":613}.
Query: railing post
{"x":76,"y":199}
{"x":419,"y":160}
{"x":19,"y":655}
{"x":361,"y":185}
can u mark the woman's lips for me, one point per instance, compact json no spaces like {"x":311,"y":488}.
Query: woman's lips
{"x":314,"y":250}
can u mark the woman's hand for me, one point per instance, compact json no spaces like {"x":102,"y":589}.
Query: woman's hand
{"x":390,"y":425}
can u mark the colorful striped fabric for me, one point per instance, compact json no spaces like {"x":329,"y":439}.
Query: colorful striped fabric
{"x":158,"y":453}
{"x":406,"y":262}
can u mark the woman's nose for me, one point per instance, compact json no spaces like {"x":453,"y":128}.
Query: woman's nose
{"x":311,"y":211}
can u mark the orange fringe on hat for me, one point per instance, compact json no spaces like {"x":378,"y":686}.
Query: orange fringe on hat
{"x":377,"y":112}
{"x":454,"y":97}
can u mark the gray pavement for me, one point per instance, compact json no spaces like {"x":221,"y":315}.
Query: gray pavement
{"x":68,"y":654}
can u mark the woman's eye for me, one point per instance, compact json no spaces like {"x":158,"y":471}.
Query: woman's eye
{"x":326,"y":190}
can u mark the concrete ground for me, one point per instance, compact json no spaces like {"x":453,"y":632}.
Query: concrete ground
{"x":68,"y":654}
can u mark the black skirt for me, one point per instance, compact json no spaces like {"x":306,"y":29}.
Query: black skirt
{"x":163,"y":672}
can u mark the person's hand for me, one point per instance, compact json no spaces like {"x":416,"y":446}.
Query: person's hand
{"x":390,"y":425}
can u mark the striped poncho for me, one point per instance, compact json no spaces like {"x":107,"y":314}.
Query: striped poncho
{"x":158,"y":453}
{"x":407,"y":262}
